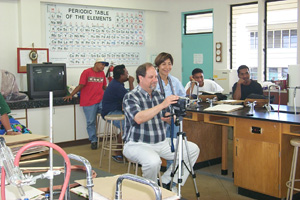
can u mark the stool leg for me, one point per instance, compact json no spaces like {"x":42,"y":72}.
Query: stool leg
{"x":98,"y":126}
{"x":121,"y":132}
{"x":293,"y":174}
{"x":136,"y":168}
{"x":103,"y":143}
{"x":159,"y":177}
{"x":129,"y":165}
{"x":110,"y":145}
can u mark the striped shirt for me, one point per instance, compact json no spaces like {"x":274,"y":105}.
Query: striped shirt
{"x":152,"y":131}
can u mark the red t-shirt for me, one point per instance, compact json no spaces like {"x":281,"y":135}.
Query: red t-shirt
{"x":93,"y":82}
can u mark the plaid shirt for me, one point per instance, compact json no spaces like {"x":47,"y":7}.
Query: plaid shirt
{"x":152,"y":131}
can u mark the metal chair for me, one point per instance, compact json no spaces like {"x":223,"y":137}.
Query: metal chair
{"x":136,"y":169}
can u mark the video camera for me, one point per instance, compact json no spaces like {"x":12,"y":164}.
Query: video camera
{"x":180,"y":106}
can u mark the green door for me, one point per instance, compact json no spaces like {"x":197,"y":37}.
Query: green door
{"x":197,"y":52}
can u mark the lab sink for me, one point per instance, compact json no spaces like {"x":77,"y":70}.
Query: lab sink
{"x":286,"y":111}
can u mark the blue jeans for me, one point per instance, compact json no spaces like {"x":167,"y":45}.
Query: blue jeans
{"x":116,"y":123}
{"x":91,"y":115}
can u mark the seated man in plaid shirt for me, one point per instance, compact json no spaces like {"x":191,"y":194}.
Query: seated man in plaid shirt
{"x":145,"y":127}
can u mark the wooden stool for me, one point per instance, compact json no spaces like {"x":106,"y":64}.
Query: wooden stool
{"x":290,"y":184}
{"x":136,"y":170}
{"x":108,"y":135}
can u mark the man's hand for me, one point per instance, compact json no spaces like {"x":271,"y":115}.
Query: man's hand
{"x":167,"y":118}
{"x":191,"y":78}
{"x":13,"y":133}
{"x":130,"y":79}
{"x":170,"y":100}
{"x":68,"y":98}
{"x":241,"y":81}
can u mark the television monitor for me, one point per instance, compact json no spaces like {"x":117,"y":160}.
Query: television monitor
{"x":46,"y":77}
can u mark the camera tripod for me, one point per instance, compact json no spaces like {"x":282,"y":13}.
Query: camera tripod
{"x":181,"y":136}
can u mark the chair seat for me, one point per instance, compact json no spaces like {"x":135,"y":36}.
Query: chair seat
{"x":114,"y":117}
{"x":295,"y":142}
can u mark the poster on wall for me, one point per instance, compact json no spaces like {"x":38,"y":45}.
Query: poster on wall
{"x":77,"y":35}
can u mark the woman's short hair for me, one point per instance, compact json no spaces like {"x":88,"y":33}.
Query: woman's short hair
{"x":162,"y":57}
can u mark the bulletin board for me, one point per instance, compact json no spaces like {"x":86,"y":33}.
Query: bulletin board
{"x":24,"y":59}
{"x":77,"y":35}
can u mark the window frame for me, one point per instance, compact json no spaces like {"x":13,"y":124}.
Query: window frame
{"x":265,"y":45}
{"x":197,"y":13}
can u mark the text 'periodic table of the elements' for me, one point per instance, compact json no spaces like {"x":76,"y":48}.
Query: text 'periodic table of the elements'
{"x":77,"y":35}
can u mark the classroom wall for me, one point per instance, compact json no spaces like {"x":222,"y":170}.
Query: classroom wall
{"x":22,"y":23}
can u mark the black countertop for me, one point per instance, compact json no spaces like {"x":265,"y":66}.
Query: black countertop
{"x":286,"y":114}
{"x":40,"y":103}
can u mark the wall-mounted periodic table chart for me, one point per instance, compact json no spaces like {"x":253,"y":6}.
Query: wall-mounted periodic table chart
{"x":77,"y":35}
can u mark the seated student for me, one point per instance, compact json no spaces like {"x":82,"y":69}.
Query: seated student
{"x":4,"y":119}
{"x":145,"y":127}
{"x":205,"y":85}
{"x":245,"y":86}
{"x":113,"y":97}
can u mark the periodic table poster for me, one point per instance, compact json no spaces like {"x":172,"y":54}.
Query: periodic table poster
{"x":77,"y":35}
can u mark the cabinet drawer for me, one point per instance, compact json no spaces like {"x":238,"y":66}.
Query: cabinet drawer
{"x":257,"y":130}
{"x":18,"y":114}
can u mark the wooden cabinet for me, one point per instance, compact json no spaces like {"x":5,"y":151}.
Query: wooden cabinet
{"x":208,"y":137}
{"x":63,"y":122}
{"x":257,"y":156}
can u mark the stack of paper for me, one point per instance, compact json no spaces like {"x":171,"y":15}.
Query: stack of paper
{"x":16,"y":142}
{"x":224,"y":108}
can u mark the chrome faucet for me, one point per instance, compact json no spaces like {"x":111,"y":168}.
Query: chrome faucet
{"x":118,"y":193}
{"x":251,"y":105}
{"x":295,"y":92}
{"x":268,"y":107}
{"x":89,"y":177}
{"x":210,"y":101}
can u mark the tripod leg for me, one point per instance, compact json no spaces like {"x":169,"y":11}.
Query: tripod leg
{"x":174,"y":164}
{"x":191,"y":167}
{"x":180,"y":162}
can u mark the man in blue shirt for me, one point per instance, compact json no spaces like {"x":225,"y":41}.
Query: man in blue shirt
{"x":145,"y":127}
{"x":113,"y":98}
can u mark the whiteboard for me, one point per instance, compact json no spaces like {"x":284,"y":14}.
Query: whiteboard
{"x":77,"y":35}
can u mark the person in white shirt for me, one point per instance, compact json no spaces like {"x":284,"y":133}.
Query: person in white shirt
{"x":205,"y":85}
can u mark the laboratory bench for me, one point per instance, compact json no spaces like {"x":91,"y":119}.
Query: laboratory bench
{"x":262,"y":153}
